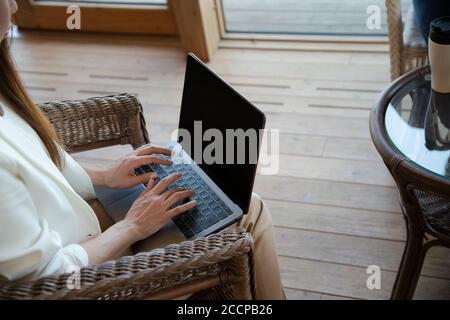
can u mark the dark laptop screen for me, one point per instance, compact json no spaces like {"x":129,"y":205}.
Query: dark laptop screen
{"x":209,"y":99}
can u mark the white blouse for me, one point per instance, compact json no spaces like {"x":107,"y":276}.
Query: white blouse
{"x":43,"y":212}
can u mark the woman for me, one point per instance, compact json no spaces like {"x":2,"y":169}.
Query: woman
{"x":46,"y":225}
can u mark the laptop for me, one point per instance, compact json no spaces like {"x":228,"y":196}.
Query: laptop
{"x":223,"y":184}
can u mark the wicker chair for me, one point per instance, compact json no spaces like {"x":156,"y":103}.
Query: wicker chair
{"x":216,"y":267}
{"x":407,"y":49}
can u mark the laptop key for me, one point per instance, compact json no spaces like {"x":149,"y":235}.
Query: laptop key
{"x":214,"y":205}
{"x":188,"y":233}
{"x":147,"y":168}
{"x":139,"y":171}
{"x":212,"y":219}
{"x":195,"y":227}
{"x":195,"y":213}
{"x":208,"y":220}
{"x":195,"y":185}
{"x":204,"y":222}
{"x":222,"y":214}
{"x":222,"y":204}
{"x":182,"y":226}
{"x":205,"y":197}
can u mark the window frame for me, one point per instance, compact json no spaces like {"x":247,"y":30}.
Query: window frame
{"x":97,"y":17}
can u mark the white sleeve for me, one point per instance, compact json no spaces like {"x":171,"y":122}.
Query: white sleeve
{"x":28,"y":248}
{"x":77,"y":177}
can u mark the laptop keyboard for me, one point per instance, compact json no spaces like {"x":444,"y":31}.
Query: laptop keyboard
{"x":210,"y":208}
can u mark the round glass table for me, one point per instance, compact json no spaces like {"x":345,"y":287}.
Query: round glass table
{"x":413,"y":140}
{"x":419,"y":130}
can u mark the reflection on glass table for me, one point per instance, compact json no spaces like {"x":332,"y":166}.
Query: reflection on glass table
{"x":418,"y":129}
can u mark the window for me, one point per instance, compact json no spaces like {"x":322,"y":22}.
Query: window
{"x":308,"y":17}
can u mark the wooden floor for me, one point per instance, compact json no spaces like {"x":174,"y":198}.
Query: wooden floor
{"x":333,"y":203}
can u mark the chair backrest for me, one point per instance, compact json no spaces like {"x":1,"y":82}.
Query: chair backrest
{"x":407,"y":48}
{"x":395,"y":33}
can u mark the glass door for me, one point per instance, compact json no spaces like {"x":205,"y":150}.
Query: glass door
{"x":356,"y":18}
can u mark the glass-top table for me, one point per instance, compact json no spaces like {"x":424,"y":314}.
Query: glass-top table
{"x":420,"y":132}
{"x":413,"y":141}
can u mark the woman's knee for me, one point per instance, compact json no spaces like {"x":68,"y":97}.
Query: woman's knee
{"x":257,"y":216}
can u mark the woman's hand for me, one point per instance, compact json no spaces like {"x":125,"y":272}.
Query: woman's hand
{"x":153,"y":208}
{"x":121,"y":173}
{"x":149,"y":213}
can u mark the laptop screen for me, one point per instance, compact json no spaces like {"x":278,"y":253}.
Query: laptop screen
{"x":224,"y":130}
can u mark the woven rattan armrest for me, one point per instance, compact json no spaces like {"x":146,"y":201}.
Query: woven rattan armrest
{"x":179,"y":269}
{"x":98,"y":122}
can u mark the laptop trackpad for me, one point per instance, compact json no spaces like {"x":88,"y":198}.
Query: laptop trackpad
{"x":118,"y":210}
{"x":117,"y":202}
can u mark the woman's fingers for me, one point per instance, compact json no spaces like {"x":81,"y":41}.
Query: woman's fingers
{"x":178,"y":196}
{"x":167,"y":181}
{"x":180,"y":209}
{"x":143,"y":160}
{"x":170,"y":192}
{"x":144,"y":178}
{"x":149,"y":149}
{"x":150,"y":185}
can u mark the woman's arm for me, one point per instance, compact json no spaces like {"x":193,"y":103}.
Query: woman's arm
{"x":110,"y":244}
{"x":29,"y":246}
{"x":148,"y":214}
{"x":97,"y":174}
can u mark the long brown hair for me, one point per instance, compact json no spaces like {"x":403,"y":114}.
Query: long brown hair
{"x":14,"y":92}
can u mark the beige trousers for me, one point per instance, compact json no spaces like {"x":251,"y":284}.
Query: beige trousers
{"x":259,"y":224}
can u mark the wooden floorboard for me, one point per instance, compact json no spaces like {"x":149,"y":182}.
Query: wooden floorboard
{"x":333,"y":203}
